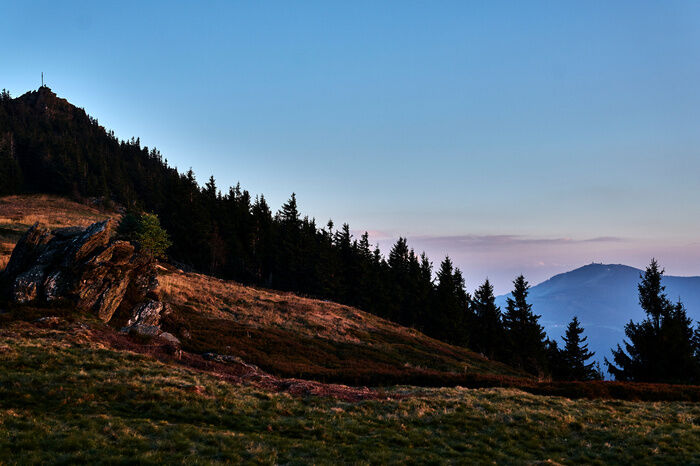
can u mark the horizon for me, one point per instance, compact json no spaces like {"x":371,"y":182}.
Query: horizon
{"x":399,"y":132}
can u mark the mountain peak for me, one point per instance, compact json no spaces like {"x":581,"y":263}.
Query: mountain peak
{"x":594,"y":270}
{"x":46,"y":101}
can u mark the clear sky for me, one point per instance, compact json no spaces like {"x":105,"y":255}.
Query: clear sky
{"x":529,"y":137}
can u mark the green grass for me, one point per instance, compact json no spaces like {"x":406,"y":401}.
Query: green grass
{"x":64,"y":399}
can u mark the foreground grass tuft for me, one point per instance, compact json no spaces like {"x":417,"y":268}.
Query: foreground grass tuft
{"x":65,"y":399}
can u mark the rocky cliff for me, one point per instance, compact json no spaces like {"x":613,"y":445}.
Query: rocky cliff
{"x":108,"y":278}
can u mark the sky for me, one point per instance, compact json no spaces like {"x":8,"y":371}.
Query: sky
{"x":517,"y":137}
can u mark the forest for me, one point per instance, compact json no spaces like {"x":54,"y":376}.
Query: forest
{"x":48,"y":145}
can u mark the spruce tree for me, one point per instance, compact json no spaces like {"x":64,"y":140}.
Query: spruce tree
{"x":663,"y":347}
{"x":525,"y":337}
{"x":398,"y":280}
{"x":488,"y":332}
{"x":449,"y":313}
{"x":575,"y":353}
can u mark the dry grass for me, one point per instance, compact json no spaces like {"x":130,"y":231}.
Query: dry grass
{"x":293,"y":336}
{"x":301,"y":337}
{"x":260,"y":308}
{"x":18,"y":213}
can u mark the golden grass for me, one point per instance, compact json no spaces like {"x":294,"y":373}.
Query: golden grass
{"x":260,"y":308}
{"x":302,"y":337}
{"x":49,"y":211}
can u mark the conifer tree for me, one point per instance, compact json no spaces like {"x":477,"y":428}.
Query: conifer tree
{"x":525,"y":337}
{"x":663,"y":347}
{"x":488,"y":332}
{"x":145,"y":230}
{"x":449,"y":318}
{"x":575,"y":353}
{"x":287,"y":262}
{"x":210,"y":190}
{"x":289,"y":213}
{"x":398,"y":285}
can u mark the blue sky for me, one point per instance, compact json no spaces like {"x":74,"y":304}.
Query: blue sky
{"x":526,"y":137}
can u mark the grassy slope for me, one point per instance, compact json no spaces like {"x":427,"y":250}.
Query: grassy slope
{"x":65,"y":398}
{"x":68,"y":397}
{"x":300,"y":337}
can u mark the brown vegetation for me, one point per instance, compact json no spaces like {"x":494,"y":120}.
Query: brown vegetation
{"x":301,"y":337}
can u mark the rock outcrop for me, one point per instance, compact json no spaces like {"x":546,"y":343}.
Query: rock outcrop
{"x":145,"y":321}
{"x":107,"y":278}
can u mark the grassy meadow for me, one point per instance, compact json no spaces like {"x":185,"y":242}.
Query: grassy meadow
{"x":66,"y":398}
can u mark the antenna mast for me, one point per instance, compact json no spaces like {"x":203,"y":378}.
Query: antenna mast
{"x":42,"y":79}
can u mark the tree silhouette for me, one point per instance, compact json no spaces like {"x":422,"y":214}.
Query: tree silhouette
{"x":488,"y":332}
{"x":575,"y":353}
{"x":525,"y":337}
{"x":661,"y":348}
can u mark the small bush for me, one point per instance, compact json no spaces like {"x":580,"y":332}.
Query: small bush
{"x":145,"y":230}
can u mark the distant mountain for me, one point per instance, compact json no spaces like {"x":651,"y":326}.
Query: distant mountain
{"x":604,"y":297}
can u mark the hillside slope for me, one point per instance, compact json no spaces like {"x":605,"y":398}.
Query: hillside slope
{"x":604,"y":297}
{"x":48,"y":145}
{"x":285,"y":334}
{"x":308,"y":338}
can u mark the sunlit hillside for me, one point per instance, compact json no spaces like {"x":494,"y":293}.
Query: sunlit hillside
{"x":283,"y":333}
{"x":301,"y":337}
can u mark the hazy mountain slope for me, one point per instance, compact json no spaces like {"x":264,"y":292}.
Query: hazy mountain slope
{"x":604,"y":297}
